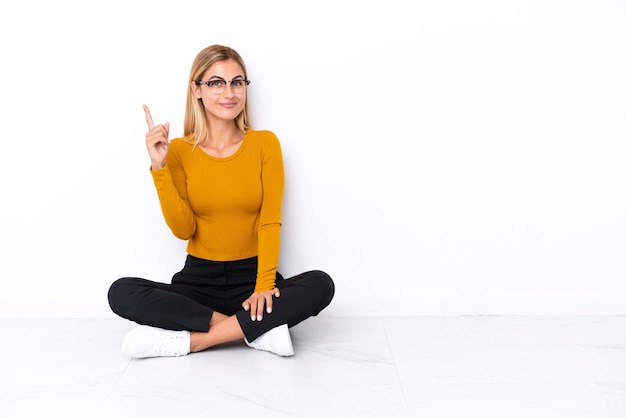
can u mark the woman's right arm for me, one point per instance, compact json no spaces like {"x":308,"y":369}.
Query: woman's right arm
{"x":169,"y":179}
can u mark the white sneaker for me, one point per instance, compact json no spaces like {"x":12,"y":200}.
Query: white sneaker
{"x":146,"y":341}
{"x":277,"y":341}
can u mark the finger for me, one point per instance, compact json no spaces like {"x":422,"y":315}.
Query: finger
{"x":149,"y":117}
{"x":259,"y":309}
{"x":253,"y":308}
{"x":276,"y":292}
{"x":157,"y":134}
{"x":269,"y":304}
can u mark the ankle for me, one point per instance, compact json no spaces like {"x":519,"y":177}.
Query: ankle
{"x":198,"y":341}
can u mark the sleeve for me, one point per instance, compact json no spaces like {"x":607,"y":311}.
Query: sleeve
{"x":268,"y":230}
{"x":171,"y":186}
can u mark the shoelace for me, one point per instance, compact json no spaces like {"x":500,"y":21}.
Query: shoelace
{"x":169,"y":346}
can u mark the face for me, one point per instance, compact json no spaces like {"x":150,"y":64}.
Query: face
{"x":226,"y":104}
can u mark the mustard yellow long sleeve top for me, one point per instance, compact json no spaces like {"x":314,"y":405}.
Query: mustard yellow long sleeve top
{"x":226,"y":208}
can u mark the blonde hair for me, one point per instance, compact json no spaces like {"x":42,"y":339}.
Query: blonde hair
{"x":195,"y":119}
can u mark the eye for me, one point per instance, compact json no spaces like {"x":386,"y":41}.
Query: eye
{"x":215,"y":83}
{"x":236,"y":83}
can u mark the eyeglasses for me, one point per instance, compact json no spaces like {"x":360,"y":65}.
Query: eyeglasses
{"x":218,"y":85}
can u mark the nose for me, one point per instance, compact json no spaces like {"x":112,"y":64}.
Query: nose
{"x":228,"y":89}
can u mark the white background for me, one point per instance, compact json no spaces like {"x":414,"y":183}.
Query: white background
{"x":442,"y":157}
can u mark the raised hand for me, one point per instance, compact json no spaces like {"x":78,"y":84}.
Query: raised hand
{"x":156,"y":141}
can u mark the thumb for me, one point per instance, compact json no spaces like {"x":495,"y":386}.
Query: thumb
{"x":167,"y":128}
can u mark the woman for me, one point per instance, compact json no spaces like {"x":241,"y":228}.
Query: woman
{"x":220,"y":188}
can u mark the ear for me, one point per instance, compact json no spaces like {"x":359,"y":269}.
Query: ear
{"x":195,"y":89}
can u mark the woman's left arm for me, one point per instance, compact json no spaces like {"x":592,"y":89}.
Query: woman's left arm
{"x":268,"y":230}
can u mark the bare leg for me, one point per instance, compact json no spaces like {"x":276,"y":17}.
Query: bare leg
{"x":217,"y":317}
{"x":222,"y":330}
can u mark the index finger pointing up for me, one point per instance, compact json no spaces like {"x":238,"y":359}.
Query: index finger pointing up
{"x":148,"y":117}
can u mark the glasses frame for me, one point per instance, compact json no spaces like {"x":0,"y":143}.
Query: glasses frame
{"x":226,"y":83}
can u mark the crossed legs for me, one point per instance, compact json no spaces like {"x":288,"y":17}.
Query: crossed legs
{"x":222,"y":329}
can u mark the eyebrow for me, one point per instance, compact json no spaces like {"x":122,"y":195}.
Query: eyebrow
{"x":223,"y":79}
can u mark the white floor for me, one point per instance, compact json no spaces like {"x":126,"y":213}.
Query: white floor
{"x":392,"y":367}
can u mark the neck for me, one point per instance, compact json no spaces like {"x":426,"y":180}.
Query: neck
{"x":222,"y":134}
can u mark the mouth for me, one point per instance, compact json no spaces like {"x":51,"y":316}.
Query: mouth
{"x":229,"y":105}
